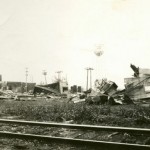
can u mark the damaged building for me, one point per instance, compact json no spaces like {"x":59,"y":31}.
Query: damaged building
{"x":57,"y":88}
{"x":17,"y":87}
{"x":138,"y":87}
{"x":106,"y":87}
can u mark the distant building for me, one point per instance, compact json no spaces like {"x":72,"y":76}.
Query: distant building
{"x":19,"y":87}
{"x":75,"y":89}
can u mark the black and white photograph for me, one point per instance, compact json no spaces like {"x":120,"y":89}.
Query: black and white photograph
{"x":74,"y":74}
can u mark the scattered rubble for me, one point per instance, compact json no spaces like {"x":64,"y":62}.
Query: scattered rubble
{"x":24,"y":97}
{"x":106,"y":93}
{"x":138,"y":87}
{"x":7,"y":94}
{"x":106,"y":87}
{"x":45,"y":90}
{"x":97,"y":99}
{"x":76,"y":98}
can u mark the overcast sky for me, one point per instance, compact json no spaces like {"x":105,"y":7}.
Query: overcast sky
{"x":62,"y":35}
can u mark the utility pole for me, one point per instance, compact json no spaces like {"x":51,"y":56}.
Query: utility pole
{"x":59,"y":75}
{"x":45,"y":73}
{"x":89,"y":69}
{"x":26,"y":73}
{"x":91,"y":77}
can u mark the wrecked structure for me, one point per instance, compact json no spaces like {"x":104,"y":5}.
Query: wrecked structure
{"x":104,"y":93}
{"x":106,"y":87}
{"x":138,"y":87}
{"x":13,"y":90}
{"x":57,"y":88}
{"x":17,"y":87}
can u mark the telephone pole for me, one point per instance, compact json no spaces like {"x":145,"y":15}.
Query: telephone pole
{"x":89,"y":70}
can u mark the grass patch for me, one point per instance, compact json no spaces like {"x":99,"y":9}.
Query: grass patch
{"x":81,"y":113}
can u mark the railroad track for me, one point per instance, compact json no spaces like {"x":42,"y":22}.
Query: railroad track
{"x":89,"y":135}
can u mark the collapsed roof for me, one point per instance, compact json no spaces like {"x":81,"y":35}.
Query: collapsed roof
{"x":138,"y":87}
{"x":56,"y":88}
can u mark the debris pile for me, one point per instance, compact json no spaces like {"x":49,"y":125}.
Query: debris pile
{"x":138,"y":87}
{"x":59,"y":88}
{"x":7,"y":94}
{"x":103,"y":93}
{"x":106,"y":92}
{"x":24,"y":97}
{"x":76,"y":98}
{"x":106,"y":87}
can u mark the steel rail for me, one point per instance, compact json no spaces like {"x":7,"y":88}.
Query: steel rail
{"x":77,"y":126}
{"x":98,"y":144}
